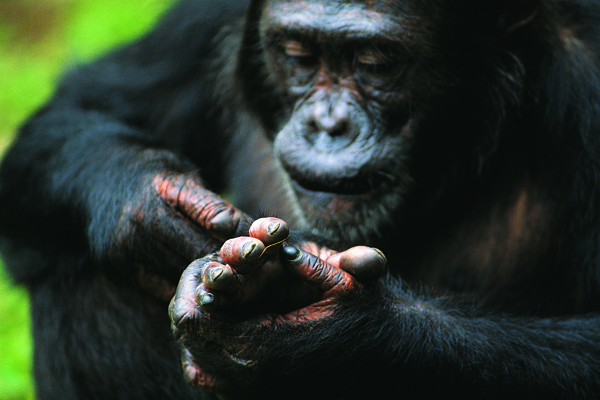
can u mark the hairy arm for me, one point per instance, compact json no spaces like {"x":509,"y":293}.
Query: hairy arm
{"x":109,"y":167}
{"x":354,"y":337}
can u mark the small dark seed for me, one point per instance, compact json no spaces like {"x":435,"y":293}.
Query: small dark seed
{"x":291,"y":253}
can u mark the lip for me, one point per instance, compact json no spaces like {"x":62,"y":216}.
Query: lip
{"x":350,"y":186}
{"x":322,"y":198}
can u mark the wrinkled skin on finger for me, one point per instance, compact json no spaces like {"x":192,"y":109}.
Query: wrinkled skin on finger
{"x":170,"y":222}
{"x":229,"y":307}
{"x":215,"y":215}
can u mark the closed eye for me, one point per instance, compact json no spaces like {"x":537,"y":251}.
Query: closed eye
{"x":371,"y":57}
{"x":295,"y":48}
{"x":373,"y":61}
{"x":299,"y":54}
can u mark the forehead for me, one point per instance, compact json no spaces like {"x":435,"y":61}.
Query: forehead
{"x":350,"y":19}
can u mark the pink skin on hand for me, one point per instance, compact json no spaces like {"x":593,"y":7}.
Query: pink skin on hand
{"x":258,"y":271}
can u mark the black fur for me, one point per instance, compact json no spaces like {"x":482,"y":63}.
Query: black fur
{"x":508,"y":134}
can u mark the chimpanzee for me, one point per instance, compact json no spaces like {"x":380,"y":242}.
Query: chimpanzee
{"x":437,"y":163}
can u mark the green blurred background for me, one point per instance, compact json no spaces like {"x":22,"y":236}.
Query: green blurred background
{"x":38,"y":40}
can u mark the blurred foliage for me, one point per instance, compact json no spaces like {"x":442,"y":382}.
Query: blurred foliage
{"x":15,"y":342}
{"x":38,"y":40}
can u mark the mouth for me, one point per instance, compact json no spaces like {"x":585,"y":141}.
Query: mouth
{"x":341,"y":186}
{"x":340,"y":205}
{"x":326,"y":205}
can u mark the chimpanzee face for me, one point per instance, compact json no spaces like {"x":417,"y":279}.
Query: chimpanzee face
{"x":343,"y":69}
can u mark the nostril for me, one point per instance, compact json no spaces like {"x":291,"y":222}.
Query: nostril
{"x":340,"y":129}
{"x":329,"y":126}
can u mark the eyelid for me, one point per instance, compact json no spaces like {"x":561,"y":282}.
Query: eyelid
{"x":295,"y":48}
{"x":371,"y":57}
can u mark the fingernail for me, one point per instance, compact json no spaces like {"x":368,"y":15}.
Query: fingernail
{"x":383,"y":257}
{"x":273,"y":227}
{"x":248,"y":249}
{"x":224,"y":222}
{"x":216,"y":273}
{"x":217,"y":277}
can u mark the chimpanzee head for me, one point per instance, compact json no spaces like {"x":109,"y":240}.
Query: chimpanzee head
{"x":364,"y":98}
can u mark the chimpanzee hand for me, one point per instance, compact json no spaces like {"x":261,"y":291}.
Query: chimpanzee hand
{"x":237,"y":310}
{"x":173,"y":221}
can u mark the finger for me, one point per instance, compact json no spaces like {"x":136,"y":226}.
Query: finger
{"x":217,"y":276}
{"x":216,"y":215}
{"x":314,"y":270}
{"x":364,"y":263}
{"x":271,"y":231}
{"x":242,"y":253}
{"x":182,"y":308}
{"x":167,"y":243}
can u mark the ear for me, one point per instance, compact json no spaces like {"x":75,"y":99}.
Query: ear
{"x":515,"y":14}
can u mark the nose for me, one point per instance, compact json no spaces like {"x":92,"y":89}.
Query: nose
{"x":330,"y":120}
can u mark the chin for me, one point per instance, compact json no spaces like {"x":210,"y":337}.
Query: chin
{"x":350,"y":219}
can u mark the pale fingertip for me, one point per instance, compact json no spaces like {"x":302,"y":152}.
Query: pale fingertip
{"x":217,"y":276}
{"x":270,"y":230}
{"x":242,"y":253}
{"x":364,"y":263}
